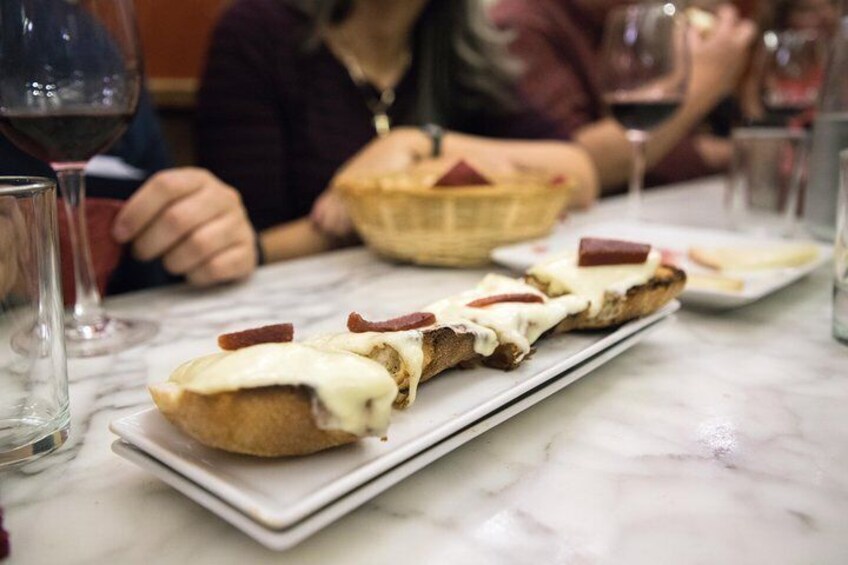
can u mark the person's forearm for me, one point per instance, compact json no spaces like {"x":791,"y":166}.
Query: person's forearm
{"x":552,"y":157}
{"x":298,"y":238}
{"x":606,"y":143}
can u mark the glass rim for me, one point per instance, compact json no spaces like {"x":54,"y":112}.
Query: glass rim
{"x":25,"y":186}
{"x":763,"y":132}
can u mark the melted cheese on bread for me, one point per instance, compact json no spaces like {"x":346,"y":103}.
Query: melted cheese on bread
{"x":354,"y":394}
{"x":564,"y":276}
{"x":516,"y":323}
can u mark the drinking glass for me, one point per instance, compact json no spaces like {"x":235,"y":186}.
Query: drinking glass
{"x":792,"y":73}
{"x":765,"y":180}
{"x":33,"y":380}
{"x":70,"y":74}
{"x":644,"y":76}
{"x":840,"y":252}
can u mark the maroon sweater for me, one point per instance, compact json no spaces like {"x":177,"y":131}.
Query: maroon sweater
{"x":276,"y":121}
{"x":559,"y":42}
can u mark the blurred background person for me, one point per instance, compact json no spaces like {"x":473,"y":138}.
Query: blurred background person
{"x":559,"y":42}
{"x":293,"y":89}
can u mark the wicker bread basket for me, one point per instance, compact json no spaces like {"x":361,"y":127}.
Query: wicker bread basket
{"x":402,"y":216}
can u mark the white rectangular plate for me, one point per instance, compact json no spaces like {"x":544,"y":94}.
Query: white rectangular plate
{"x":278,"y":493}
{"x":677,"y":239}
{"x":285,"y":538}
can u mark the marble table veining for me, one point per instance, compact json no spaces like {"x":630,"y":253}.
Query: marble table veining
{"x":722,"y":438}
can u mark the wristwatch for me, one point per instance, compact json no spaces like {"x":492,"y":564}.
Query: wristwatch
{"x":435,"y":133}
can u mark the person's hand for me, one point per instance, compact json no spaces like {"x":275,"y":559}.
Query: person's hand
{"x":329,"y":214}
{"x":715,"y":151}
{"x":720,"y":56}
{"x":194,"y":222}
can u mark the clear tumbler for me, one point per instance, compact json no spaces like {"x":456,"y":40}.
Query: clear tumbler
{"x":34,"y":417}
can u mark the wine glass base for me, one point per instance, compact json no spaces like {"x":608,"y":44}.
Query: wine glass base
{"x":109,"y":336}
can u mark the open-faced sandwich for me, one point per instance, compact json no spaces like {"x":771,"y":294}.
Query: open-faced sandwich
{"x":516,"y":312}
{"x":270,"y":397}
{"x":413,"y":348}
{"x":621,"y":280}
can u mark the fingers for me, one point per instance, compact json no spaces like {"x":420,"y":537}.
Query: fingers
{"x":330,"y":216}
{"x":177,"y":218}
{"x":207,"y":241}
{"x":194,"y":222}
{"x":155,"y":196}
{"x":231,"y":264}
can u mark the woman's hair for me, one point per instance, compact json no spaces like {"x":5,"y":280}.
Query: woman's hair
{"x":464,"y":69}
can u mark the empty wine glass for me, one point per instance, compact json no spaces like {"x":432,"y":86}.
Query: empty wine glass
{"x":70,"y":74}
{"x":644,"y":77}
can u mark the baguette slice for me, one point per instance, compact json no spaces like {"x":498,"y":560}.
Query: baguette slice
{"x":271,"y":421}
{"x":277,"y":399}
{"x":754,"y":258}
{"x":617,"y":309}
{"x":411,"y":356}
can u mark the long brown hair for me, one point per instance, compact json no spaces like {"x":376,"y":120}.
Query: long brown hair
{"x":464,"y":69}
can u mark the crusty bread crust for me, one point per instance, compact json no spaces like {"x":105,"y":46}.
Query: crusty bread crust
{"x":667,"y":283}
{"x":506,"y":357}
{"x":269,"y":421}
{"x":443,"y":348}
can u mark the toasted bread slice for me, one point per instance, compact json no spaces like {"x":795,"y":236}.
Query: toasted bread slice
{"x":270,"y":421}
{"x":441,"y":347}
{"x":666,"y":284}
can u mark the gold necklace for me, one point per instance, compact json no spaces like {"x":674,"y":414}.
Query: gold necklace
{"x":378,"y":105}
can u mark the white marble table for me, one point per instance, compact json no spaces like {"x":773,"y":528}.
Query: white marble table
{"x":722,"y":438}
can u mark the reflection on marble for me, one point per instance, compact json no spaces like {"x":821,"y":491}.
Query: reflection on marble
{"x":722,"y":438}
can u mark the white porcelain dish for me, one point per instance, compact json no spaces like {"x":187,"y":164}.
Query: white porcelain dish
{"x":278,"y":493}
{"x":677,"y":240}
{"x":228,"y":485}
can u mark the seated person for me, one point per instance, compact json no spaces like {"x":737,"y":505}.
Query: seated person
{"x":294,"y":89}
{"x":559,"y":42}
{"x":179,"y":222}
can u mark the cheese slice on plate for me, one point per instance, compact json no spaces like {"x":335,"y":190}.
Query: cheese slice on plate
{"x":755,"y":258}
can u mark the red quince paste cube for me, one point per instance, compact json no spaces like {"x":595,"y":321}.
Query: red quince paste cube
{"x":462,"y":174}
{"x":595,"y":252}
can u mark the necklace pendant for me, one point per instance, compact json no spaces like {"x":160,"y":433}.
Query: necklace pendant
{"x":382,"y":124}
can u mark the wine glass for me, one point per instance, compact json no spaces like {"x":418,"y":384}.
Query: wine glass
{"x":70,"y":74}
{"x":792,"y":71}
{"x":644,"y":76}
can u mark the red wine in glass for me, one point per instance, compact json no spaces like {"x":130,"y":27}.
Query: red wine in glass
{"x":642,"y":115}
{"x":644,"y":76}
{"x":64,"y":138}
{"x":792,"y":70}
{"x":70,"y":75}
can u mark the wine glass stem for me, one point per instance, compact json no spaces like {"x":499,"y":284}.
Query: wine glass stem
{"x":637,"y":174}
{"x":88,"y":312}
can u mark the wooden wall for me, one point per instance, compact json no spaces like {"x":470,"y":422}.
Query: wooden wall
{"x":175,"y":36}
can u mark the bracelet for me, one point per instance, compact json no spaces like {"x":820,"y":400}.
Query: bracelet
{"x":435,"y":133}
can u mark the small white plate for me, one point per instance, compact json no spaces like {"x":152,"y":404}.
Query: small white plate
{"x":278,"y":493}
{"x":206,"y":491}
{"x":678,"y":240}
